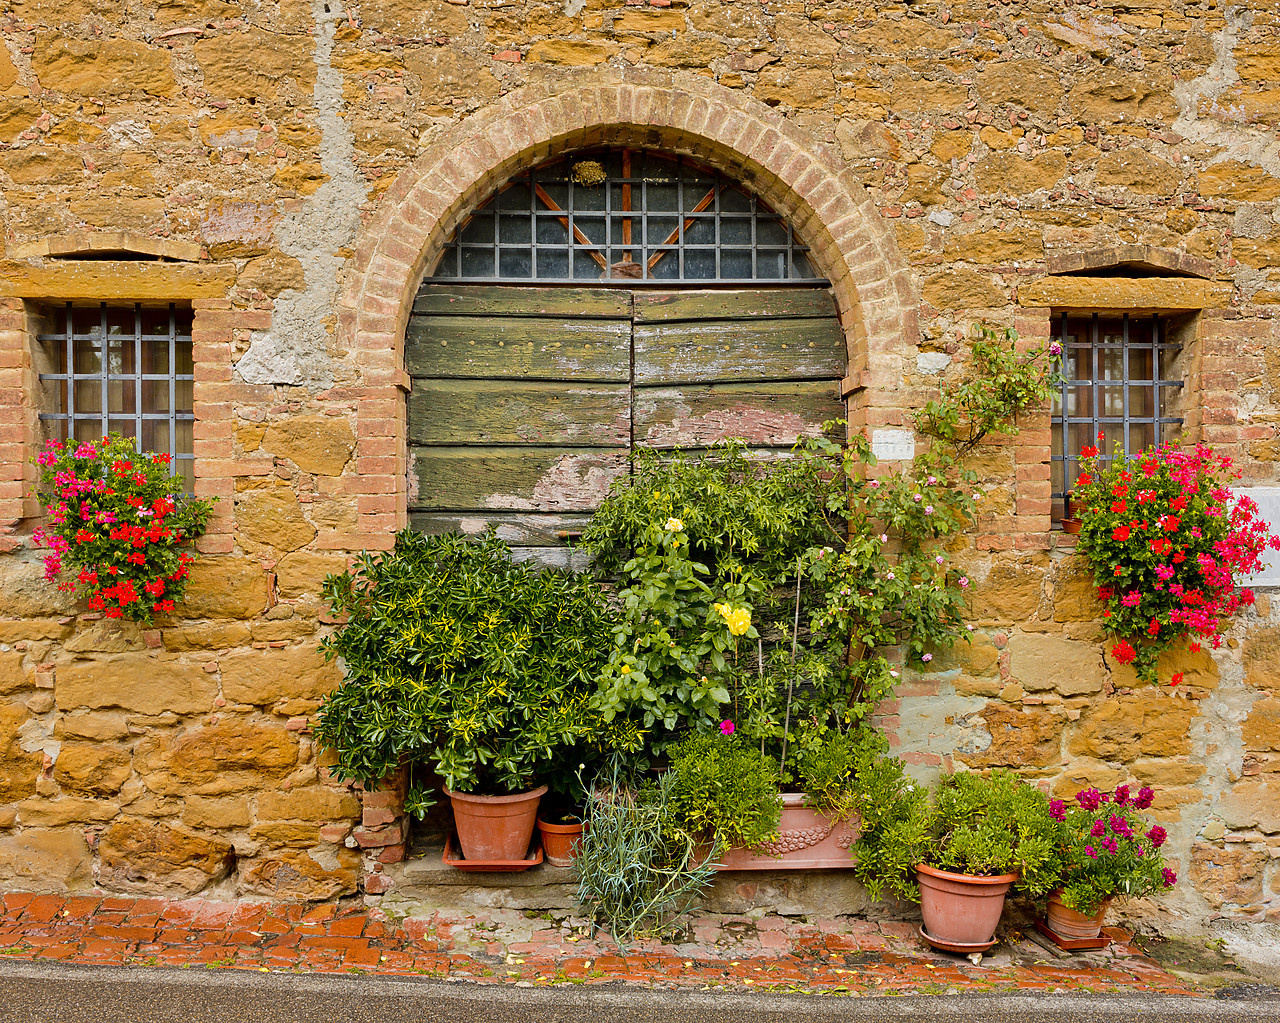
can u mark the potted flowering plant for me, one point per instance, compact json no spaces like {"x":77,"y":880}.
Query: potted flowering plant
{"x":1167,"y":541}
{"x":118,"y":521}
{"x":1105,"y":849}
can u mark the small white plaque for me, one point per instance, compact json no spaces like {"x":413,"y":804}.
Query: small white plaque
{"x":893,"y":445}
{"x":1268,"y":499}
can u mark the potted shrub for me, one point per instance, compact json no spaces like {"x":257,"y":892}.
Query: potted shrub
{"x":960,"y":853}
{"x":459,"y":659}
{"x":1105,"y":849}
{"x":725,"y":791}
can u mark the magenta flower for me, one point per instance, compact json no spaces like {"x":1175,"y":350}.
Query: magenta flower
{"x":1157,"y":835}
{"x":1169,"y":877}
{"x":1089,"y":851}
{"x":1057,"y":809}
{"x":726,"y":727}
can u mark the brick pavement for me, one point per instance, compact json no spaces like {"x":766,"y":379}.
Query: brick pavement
{"x":509,"y":947}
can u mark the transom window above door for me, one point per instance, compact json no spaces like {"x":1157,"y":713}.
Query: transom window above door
{"x":624,"y":215}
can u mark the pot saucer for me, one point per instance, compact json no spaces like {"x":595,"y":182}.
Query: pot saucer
{"x":959,"y":947}
{"x":453,"y":858}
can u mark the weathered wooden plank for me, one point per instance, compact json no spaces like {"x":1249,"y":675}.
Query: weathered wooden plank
{"x":768,"y":414}
{"x":780,"y":303}
{"x":572,"y":558}
{"x":497,"y":300}
{"x":518,"y":529}
{"x":518,"y":347}
{"x":500,"y":412}
{"x":511,"y":479}
{"x":714,"y":351}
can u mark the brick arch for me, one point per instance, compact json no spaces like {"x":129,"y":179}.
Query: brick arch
{"x":802,"y":180}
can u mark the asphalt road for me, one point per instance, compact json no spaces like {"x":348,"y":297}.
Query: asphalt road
{"x":55,"y":993}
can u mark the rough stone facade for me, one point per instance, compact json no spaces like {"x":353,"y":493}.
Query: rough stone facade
{"x":291,"y":169}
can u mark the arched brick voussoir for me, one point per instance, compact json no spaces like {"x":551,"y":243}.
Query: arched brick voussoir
{"x":804,"y":180}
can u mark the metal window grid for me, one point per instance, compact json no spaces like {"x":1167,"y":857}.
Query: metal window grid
{"x":596,"y":237}
{"x":1099,"y":389}
{"x":114,"y":350}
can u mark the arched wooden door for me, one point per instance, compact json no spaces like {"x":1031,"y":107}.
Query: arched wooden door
{"x":660,"y":306}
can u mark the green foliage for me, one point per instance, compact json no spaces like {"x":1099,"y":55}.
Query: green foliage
{"x":1004,"y":384}
{"x":983,"y":825}
{"x":825,"y":764}
{"x":636,"y":866}
{"x":742,"y":515}
{"x":670,"y":635}
{"x":456,"y":656}
{"x":725,"y":790}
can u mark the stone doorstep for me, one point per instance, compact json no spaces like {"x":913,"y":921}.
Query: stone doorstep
{"x":424,"y":878}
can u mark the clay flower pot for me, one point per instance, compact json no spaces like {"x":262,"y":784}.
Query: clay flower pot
{"x":560,"y":841}
{"x":1071,"y":526}
{"x":1070,"y":924}
{"x":807,"y":840}
{"x":961,"y":910}
{"x":495,"y":827}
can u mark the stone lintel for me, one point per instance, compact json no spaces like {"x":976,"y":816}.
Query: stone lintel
{"x":76,"y":243}
{"x":1127,"y":294}
{"x":109,"y":280}
{"x":1146,"y":257}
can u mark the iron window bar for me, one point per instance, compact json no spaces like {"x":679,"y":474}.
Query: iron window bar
{"x":1101,"y":389}
{"x":633,"y":240}
{"x":109,"y":343}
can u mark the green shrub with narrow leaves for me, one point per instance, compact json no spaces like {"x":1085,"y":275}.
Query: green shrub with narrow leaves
{"x":459,"y":658}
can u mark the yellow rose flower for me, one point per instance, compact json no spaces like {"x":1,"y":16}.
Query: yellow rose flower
{"x":625,"y":669}
{"x":673,"y":525}
{"x":739,"y":621}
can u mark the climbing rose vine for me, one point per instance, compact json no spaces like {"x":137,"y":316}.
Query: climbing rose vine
{"x":117,"y":526}
{"x":1168,"y":541}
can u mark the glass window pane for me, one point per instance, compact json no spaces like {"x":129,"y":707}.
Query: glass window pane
{"x":183,"y":436}
{"x":89,"y":395}
{"x":477,"y":262}
{"x":155,"y":435}
{"x":1111,"y":400}
{"x":186,"y":469}
{"x":735,"y":231}
{"x":557,"y":192}
{"x":124,"y":427}
{"x":667,"y":268}
{"x":735,"y":264}
{"x":1111,"y":364}
{"x":659,"y":229}
{"x":1079,"y":401}
{"x":663,"y":198}
{"x":479,"y":230}
{"x":585,"y":198}
{"x":121,"y":396}
{"x":700,"y":264}
{"x":155,"y":357}
{"x":88,"y":429}
{"x":701,"y":232}
{"x":772,"y":264}
{"x":120,"y":321}
{"x":155,"y":321}
{"x":1141,"y":403}
{"x":803,"y":267}
{"x":1140,"y":363}
{"x":552,"y":232}
{"x":1113,"y":436}
{"x":182,"y":394}
{"x":592,"y":227}
{"x":87,"y":320}
{"x":87,"y":357}
{"x":553,"y":265}
{"x":155,"y":396}
{"x":1141,"y":436}
{"x":1078,"y":436}
{"x":515,"y":230}
{"x":182,"y":353}
{"x":448,"y":265}
{"x":515,"y":197}
{"x":770,"y":232}
{"x":733,"y":201}
{"x":515,"y":263}
{"x":584,"y":267}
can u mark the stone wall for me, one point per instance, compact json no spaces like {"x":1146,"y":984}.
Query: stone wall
{"x":290,"y":168}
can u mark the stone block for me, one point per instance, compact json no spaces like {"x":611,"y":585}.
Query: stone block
{"x":1019,"y":738}
{"x":19,"y":768}
{"x":1042,"y":662}
{"x":1163,"y":773}
{"x":215,"y":813}
{"x":110,"y":67}
{"x":1032,"y":84}
{"x":1261,"y":729}
{"x":40,"y":812}
{"x":230,"y":756}
{"x":303,"y":572}
{"x":278,"y":834}
{"x":1151,"y":724}
{"x":92,"y":768}
{"x":963,"y":289}
{"x":24,"y":592}
{"x":1083,"y":774}
{"x":144,"y":855}
{"x":1230,"y":876}
{"x":138,"y":682}
{"x":106,"y":637}
{"x":225,"y":587}
{"x":287,"y":673}
{"x":1011,"y":593}
{"x":13,"y":676}
{"x":1074,"y":593}
{"x":309,"y":804}
{"x":1252,"y":803}
{"x":272,"y":518}
{"x":303,"y":876}
{"x":46,"y":861}
{"x":1262,"y":658}
{"x":1009,"y":173}
{"x":85,"y":724}
{"x":254,"y":64}
{"x":973,"y":655}
{"x":1137,"y":171}
{"x":211,"y":636}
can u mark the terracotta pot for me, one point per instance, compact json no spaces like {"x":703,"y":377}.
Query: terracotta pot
{"x":495,"y":827}
{"x":560,"y":841}
{"x":1071,"y":924}
{"x":1071,"y":526}
{"x":807,"y":840}
{"x":961,"y":909}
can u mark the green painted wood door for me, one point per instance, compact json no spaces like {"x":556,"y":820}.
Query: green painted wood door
{"x":526,"y":403}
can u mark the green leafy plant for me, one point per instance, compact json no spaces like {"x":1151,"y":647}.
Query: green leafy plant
{"x":118,"y":520}
{"x":725,"y":790}
{"x":636,"y":866}
{"x":1167,"y":541}
{"x":457,"y":657}
{"x":825,"y":765}
{"x":975,"y":824}
{"x":1106,"y":849}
